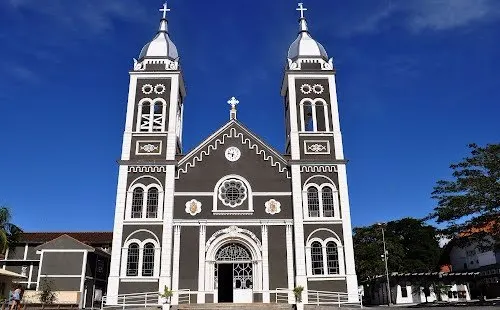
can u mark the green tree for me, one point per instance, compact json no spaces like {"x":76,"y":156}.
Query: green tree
{"x":411,"y":244}
{"x":9,"y":233}
{"x":47,"y":295}
{"x":469,"y":205}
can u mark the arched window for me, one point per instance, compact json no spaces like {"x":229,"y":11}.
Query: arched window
{"x":332,"y":258}
{"x":158,"y":117}
{"x":313,"y":201}
{"x":148,"y":259}
{"x":152,"y":203}
{"x":314,"y":115}
{"x":133,"y":260}
{"x":151,"y":115}
{"x":327,"y":201}
{"x":321,"y":201}
{"x":137,"y":200}
{"x":143,"y":202}
{"x":317,"y":258}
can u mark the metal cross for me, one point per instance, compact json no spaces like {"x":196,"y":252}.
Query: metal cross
{"x":301,"y":8}
{"x":165,"y":10}
{"x":233,"y":102}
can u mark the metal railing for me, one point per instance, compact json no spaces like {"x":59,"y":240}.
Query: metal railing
{"x":131,"y":300}
{"x":333,"y":298}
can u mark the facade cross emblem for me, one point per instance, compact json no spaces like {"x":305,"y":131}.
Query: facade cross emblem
{"x":233,"y":102}
{"x":164,"y":10}
{"x":301,"y":8}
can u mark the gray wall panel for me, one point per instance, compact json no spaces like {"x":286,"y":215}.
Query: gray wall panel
{"x":137,"y":287}
{"x":188,"y":266}
{"x":277,"y":257}
{"x":64,"y":284}
{"x":330,"y":286}
{"x":62,"y":263}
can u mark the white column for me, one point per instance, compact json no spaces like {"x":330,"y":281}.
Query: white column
{"x":289,"y":261}
{"x":175,"y":267}
{"x":116,"y":249}
{"x":30,"y":277}
{"x":201,"y":264}
{"x":265,"y":265}
{"x":166,"y":242}
{"x":82,"y":279}
{"x":298,"y":229}
{"x":25,"y":252}
{"x":6,"y":255}
{"x":350,"y":271}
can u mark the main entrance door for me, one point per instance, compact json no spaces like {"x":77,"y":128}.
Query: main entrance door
{"x":233,"y":274}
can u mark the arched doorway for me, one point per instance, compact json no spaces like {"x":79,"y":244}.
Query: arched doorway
{"x":233,"y":273}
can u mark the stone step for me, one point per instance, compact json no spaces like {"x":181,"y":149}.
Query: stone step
{"x":239,"y":306}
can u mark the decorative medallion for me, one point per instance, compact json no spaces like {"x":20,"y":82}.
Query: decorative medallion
{"x":147,"y":89}
{"x":306,"y":89}
{"x":148,"y":148}
{"x":151,"y":147}
{"x":232,"y":193}
{"x":233,"y":153}
{"x":159,"y":89}
{"x":318,"y":89}
{"x":317,"y":147}
{"x":273,"y":206}
{"x":193,"y":207}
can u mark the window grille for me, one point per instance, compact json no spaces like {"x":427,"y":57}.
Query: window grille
{"x":332,"y":258}
{"x":152,"y":203}
{"x":327,"y":196}
{"x":158,"y":117}
{"x":313,"y":201}
{"x":317,"y":258}
{"x":233,"y":252}
{"x":137,"y":199}
{"x":133,"y":260}
{"x":232,"y":193}
{"x":148,"y":260}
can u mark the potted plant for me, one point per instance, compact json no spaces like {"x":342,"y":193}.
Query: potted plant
{"x":166,"y":295}
{"x":297,"y":291}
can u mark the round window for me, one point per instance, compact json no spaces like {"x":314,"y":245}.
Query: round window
{"x":232,"y":193}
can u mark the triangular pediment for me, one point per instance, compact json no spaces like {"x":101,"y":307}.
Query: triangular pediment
{"x":64,"y":242}
{"x":233,"y":130}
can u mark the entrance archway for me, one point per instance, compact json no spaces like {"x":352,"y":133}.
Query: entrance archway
{"x":233,"y":273}
{"x":233,"y":265}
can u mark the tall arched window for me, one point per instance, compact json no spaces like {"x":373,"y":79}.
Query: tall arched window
{"x":313,"y":201}
{"x":152,"y":203}
{"x":144,"y":117}
{"x":158,"y":117}
{"x":151,"y":115}
{"x":332,"y":258}
{"x":308,"y":117}
{"x":148,"y":260}
{"x":137,"y":200}
{"x":317,"y":258}
{"x":133,"y":260}
{"x":328,"y":204}
{"x":314,"y":115}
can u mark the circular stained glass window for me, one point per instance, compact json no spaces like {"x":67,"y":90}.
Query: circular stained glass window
{"x":232,"y":193}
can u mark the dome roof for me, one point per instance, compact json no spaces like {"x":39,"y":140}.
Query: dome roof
{"x":161,"y":45}
{"x":305,"y":45}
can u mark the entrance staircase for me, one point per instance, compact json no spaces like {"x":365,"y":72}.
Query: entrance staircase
{"x":231,"y":306}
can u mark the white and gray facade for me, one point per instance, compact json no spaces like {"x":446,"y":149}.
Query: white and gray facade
{"x":233,"y":218}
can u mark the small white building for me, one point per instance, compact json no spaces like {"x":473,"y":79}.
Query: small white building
{"x":415,"y":288}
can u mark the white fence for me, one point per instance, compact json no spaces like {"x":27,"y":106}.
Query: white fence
{"x":333,"y":298}
{"x":131,"y":300}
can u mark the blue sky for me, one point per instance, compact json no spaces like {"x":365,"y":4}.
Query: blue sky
{"x":417,"y":81}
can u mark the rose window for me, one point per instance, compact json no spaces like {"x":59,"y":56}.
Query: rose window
{"x":232,"y":193}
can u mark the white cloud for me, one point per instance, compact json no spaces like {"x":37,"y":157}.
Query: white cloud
{"x":93,"y":15}
{"x":415,"y":15}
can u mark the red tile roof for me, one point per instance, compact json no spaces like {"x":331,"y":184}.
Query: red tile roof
{"x":90,"y":237}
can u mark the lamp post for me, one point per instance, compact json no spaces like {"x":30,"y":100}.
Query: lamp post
{"x":384,"y":256}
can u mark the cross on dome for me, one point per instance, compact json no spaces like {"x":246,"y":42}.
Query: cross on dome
{"x":233,"y":102}
{"x":301,"y":8}
{"x":164,"y":9}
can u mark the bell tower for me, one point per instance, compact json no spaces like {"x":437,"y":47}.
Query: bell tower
{"x":314,"y":143}
{"x":151,"y":140}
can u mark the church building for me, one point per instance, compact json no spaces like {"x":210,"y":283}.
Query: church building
{"x":232,"y":219}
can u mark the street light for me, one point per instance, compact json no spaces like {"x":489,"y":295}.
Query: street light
{"x":384,"y":256}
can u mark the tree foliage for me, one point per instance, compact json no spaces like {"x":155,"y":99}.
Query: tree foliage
{"x":412,"y":246}
{"x":47,"y":295}
{"x":469,"y":204}
{"x":9,"y":233}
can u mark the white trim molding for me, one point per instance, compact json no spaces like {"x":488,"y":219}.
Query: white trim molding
{"x":141,"y":243}
{"x":248,"y":199}
{"x":340,"y":254}
{"x":321,"y":211}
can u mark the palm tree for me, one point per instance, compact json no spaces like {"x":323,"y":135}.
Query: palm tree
{"x":9,"y":233}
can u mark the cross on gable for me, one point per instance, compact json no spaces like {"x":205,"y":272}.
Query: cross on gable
{"x":165,"y":9}
{"x":301,"y":8}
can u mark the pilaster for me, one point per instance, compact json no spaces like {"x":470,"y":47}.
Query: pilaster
{"x":175,"y":267}
{"x":265,"y":264}
{"x":201,"y":263}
